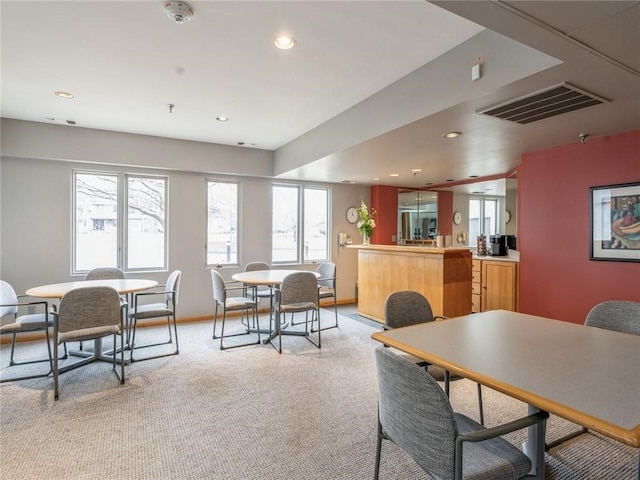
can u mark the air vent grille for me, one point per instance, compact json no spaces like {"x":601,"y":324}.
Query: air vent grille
{"x":546,"y":103}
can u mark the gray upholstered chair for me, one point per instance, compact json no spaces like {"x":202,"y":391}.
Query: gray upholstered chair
{"x":240,"y":303}
{"x":105,"y":273}
{"x":617,"y":315}
{"x":260,"y":291}
{"x":297,"y":293}
{"x":89,"y":313}
{"x":16,"y":307}
{"x":327,"y":286}
{"x":415,"y":414}
{"x":167,"y":309}
{"x":407,"y":307}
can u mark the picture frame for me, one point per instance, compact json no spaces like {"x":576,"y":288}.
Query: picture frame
{"x":615,"y":222}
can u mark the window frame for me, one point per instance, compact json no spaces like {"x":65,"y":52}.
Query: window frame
{"x":238,"y":184}
{"x":125,"y":244}
{"x":122,"y":219}
{"x":301,"y":258}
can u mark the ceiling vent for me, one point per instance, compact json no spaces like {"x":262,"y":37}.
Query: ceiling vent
{"x":543,"y":104}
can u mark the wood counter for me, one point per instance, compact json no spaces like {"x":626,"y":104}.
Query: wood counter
{"x":443,"y":275}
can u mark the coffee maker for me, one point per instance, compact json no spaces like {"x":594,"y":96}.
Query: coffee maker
{"x":498,"y":246}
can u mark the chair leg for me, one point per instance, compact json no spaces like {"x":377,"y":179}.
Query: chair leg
{"x":133,"y":340}
{"x":256,"y":321}
{"x":49,"y":359}
{"x":376,"y":471}
{"x":335,"y":311}
{"x":481,"y":409}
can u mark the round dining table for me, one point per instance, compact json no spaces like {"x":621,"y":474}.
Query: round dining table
{"x":124,"y":286}
{"x":265,"y":277}
{"x":270,"y":278}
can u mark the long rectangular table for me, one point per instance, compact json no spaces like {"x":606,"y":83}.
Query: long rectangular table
{"x":586,"y":375}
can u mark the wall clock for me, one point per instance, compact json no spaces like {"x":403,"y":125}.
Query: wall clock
{"x":507,"y":216}
{"x":457,"y":218}
{"x":352,"y":215}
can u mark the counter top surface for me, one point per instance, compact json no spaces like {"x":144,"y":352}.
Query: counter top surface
{"x":510,"y":258}
{"x":412,"y":248}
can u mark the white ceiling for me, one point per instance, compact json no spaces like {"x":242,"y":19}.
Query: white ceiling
{"x":368,"y":91}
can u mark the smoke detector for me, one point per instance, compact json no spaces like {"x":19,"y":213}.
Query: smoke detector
{"x":178,"y":12}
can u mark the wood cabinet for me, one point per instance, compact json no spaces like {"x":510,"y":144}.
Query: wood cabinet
{"x":494,"y":285}
{"x":443,"y":275}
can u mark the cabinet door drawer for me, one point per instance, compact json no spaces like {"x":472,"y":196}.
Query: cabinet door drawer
{"x":476,"y":265}
{"x":476,"y":289}
{"x":475,"y":303}
{"x":476,"y":276}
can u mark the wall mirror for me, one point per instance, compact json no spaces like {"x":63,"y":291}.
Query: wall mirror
{"x":417,"y":216}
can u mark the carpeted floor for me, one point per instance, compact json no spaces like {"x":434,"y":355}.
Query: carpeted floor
{"x":247,"y":413}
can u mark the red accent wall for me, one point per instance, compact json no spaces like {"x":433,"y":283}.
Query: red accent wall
{"x":557,"y":279}
{"x":384,"y":200}
{"x":445,"y":213}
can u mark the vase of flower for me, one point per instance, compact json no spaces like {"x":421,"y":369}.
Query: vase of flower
{"x":366,"y":222}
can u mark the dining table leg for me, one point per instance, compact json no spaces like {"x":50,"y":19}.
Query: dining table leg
{"x":533,"y":447}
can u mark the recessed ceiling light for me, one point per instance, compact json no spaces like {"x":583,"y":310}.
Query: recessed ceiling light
{"x":376,"y":179}
{"x":416,"y":170}
{"x":284,"y":43}
{"x":63,"y":94}
{"x":222,"y":119}
{"x":452,"y":134}
{"x":394,"y":175}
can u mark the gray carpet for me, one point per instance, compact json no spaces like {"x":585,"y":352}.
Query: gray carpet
{"x":248,"y":413}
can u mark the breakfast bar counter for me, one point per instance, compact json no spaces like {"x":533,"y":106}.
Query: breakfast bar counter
{"x":442,"y":275}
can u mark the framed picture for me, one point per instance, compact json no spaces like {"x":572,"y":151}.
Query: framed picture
{"x":615,"y":223}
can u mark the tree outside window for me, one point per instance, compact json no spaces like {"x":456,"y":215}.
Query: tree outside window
{"x":222,"y":223}
{"x":295,"y":206}
{"x":98,"y":238}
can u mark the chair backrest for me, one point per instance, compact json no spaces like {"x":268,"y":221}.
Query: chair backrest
{"x":9,"y":299}
{"x":327,"y":271}
{"x":405,"y":308}
{"x":217,"y":282}
{"x":105,"y":273}
{"x":619,"y":315}
{"x":299,"y":287}
{"x":88,"y":307}
{"x":173,"y":285}
{"x":253,"y":266}
{"x":415,"y":413}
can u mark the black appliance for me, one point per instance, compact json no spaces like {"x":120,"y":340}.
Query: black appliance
{"x":497,"y":246}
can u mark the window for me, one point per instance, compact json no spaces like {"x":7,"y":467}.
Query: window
{"x":146,"y":239}
{"x":98,"y":238}
{"x":487,"y":210}
{"x":316,"y":208}
{"x":222,"y":223}
{"x":290,"y":243}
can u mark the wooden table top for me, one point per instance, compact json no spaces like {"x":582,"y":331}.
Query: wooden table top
{"x":587,"y":375}
{"x":123,"y":286}
{"x":266,"y":277}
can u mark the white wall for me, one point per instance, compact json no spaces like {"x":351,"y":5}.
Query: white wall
{"x":35,"y":220}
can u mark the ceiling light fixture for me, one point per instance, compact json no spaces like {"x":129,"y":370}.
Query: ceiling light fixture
{"x":178,"y":12}
{"x":394,"y":174}
{"x":452,"y":134}
{"x":222,"y":119}
{"x":284,"y":43}
{"x":63,"y":94}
